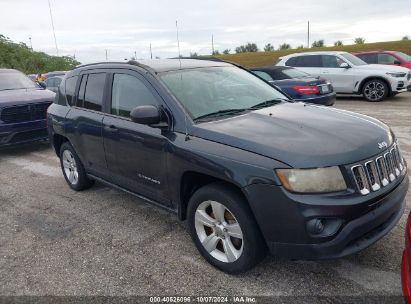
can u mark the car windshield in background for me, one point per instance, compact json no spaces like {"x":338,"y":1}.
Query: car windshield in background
{"x":353,"y":59}
{"x":403,"y":56}
{"x":225,"y":90}
{"x":14,"y":81}
{"x":294,"y":73}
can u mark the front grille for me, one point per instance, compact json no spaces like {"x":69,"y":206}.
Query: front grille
{"x":409,"y":76}
{"x":24,"y":113}
{"x":379,"y":172}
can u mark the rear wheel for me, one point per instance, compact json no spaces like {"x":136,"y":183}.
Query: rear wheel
{"x":224,"y":230}
{"x":73,"y":169}
{"x":375,"y":90}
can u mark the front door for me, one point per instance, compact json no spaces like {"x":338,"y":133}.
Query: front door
{"x":342,"y":79}
{"x":136,"y":154}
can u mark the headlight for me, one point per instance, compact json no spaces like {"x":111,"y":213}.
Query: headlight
{"x":397,"y":75}
{"x":312,"y":180}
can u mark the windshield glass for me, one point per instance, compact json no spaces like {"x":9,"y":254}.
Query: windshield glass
{"x":353,"y":59}
{"x":294,"y":73}
{"x":403,"y":56}
{"x":14,"y":80}
{"x":204,"y":91}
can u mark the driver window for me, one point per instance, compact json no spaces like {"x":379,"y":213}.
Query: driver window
{"x":330,"y":61}
{"x":127,"y":93}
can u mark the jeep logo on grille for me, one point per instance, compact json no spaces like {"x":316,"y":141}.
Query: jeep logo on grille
{"x":382,"y":144}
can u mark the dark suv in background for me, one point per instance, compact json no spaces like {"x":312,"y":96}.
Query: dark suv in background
{"x":222,"y":148}
{"x":23,"y":106}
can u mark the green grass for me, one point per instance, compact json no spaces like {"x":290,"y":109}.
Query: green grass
{"x":258,"y":59}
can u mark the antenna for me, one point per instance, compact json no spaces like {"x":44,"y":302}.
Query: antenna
{"x":178,"y":44}
{"x":52,"y":26}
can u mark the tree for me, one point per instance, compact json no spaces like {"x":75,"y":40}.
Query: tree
{"x":319,"y":43}
{"x":405,"y":38}
{"x":216,"y":53}
{"x":300,"y":46}
{"x":226,"y":51}
{"x":193,"y":55}
{"x":359,"y":40}
{"x":249,"y":47}
{"x":268,"y":47}
{"x":338,"y":43}
{"x":284,"y":46}
{"x":19,"y":56}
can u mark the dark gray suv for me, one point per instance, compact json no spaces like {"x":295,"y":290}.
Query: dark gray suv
{"x":249,"y":169}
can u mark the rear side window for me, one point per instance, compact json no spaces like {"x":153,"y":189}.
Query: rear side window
{"x":307,"y":61}
{"x":94,"y":91}
{"x":263,"y":75}
{"x":368,"y":58}
{"x":129,"y":92}
{"x":70,"y":84}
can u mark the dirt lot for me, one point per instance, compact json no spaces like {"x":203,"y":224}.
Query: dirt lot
{"x":104,"y":242}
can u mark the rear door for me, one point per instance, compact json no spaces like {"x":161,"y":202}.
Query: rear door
{"x":342,"y":79}
{"x":86,"y":117}
{"x":135,"y":153}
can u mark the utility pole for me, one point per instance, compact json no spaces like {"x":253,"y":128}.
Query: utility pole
{"x":151,"y":52}
{"x":31,"y":45}
{"x":308,"y":35}
{"x":106,"y":55}
{"x":212,"y":44}
{"x":135,"y":55}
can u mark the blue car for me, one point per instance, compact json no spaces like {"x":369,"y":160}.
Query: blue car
{"x":299,"y":85}
{"x":23,"y":108}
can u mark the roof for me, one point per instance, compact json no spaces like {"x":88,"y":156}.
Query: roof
{"x":164,"y":65}
{"x":9,"y":70}
{"x":315,"y":53}
{"x":375,"y":52}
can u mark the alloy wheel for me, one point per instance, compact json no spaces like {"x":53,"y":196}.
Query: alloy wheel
{"x":218,"y":231}
{"x":374,"y":90}
{"x":70,"y":167}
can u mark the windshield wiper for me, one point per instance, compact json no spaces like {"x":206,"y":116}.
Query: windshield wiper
{"x":267,"y":103}
{"x":220,"y":113}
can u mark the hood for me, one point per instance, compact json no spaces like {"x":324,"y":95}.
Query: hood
{"x":301,"y":135}
{"x":25,"y":96}
{"x":383,"y":67}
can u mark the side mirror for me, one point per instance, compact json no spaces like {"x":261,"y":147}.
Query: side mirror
{"x":147,"y":115}
{"x":397,"y":62}
{"x":42,"y":84}
{"x":344,"y":65}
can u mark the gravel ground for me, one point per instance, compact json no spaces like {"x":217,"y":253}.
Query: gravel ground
{"x":55,"y":241}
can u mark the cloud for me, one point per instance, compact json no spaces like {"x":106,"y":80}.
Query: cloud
{"x":88,"y":28}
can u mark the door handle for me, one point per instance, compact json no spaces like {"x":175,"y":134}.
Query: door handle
{"x":111,"y":128}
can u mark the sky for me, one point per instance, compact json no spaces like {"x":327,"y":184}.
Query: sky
{"x":88,"y":28}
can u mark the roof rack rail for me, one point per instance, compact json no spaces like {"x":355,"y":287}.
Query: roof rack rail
{"x":209,"y":59}
{"x":132,"y":62}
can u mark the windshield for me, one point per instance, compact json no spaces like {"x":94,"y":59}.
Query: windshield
{"x":403,"y":56}
{"x":353,"y":59}
{"x":294,"y":73}
{"x":204,"y":91}
{"x":15,"y":80}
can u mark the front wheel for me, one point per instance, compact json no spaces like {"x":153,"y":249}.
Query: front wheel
{"x":375,"y":90}
{"x":224,"y":230}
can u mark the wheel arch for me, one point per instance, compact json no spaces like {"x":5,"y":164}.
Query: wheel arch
{"x":58,"y":140}
{"x":191,"y":181}
{"x":365,"y":80}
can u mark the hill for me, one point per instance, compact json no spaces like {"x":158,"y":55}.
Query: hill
{"x":269,"y":58}
{"x":19,"y":56}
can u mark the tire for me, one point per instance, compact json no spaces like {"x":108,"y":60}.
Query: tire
{"x":223,"y":208}
{"x":375,"y":90}
{"x":73,"y":170}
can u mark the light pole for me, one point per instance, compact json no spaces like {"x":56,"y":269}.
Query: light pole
{"x":31,"y":45}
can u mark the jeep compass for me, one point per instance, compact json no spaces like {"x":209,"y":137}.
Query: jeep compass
{"x":248,"y":168}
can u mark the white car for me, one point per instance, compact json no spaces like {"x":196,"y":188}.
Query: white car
{"x":351,"y":75}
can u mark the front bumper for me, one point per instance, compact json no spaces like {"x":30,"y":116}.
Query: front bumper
{"x":24,"y":132}
{"x":283,"y":219}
